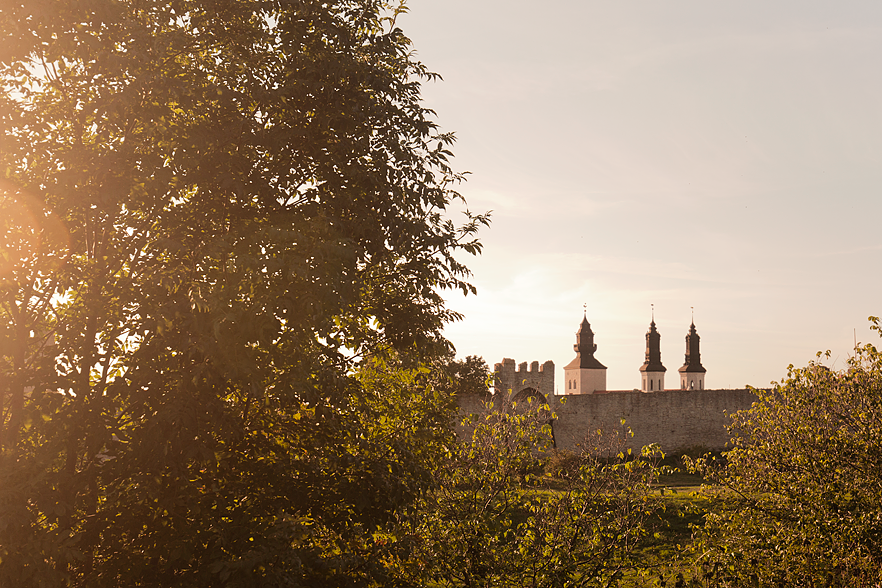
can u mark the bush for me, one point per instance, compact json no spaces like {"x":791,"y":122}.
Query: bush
{"x":804,"y":482}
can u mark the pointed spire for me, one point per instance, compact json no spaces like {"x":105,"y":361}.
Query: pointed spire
{"x":693,"y":353}
{"x":585,"y":346}
{"x":653,"y":361}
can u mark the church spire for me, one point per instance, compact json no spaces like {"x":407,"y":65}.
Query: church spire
{"x":653,"y":361}
{"x":692,"y":373}
{"x":652,"y":371}
{"x":585,"y":375}
{"x":585,"y":346}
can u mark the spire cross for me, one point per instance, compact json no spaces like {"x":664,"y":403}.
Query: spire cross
{"x":653,"y":312}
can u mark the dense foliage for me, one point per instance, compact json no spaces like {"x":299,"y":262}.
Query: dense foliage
{"x":211,"y":210}
{"x":802,"y":488}
{"x":223,"y":252}
{"x":493,"y":519}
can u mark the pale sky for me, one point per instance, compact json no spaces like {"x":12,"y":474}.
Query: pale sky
{"x":725,"y":156}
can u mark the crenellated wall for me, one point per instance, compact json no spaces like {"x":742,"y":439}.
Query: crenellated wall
{"x":538,"y":378}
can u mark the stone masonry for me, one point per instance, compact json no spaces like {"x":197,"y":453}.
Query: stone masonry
{"x":538,"y":378}
{"x":674,"y":419}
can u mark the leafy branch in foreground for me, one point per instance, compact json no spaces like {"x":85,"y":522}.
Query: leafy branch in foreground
{"x":803,"y":483}
{"x":212,"y":211}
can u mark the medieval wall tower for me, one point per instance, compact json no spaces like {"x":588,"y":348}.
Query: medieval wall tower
{"x":539,"y":379}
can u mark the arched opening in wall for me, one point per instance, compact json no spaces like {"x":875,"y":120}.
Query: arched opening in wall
{"x":524,"y":396}
{"x":531,"y":399}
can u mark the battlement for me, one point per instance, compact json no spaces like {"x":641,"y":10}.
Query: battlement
{"x":539,"y":377}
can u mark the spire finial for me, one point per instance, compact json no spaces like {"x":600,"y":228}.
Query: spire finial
{"x":585,"y":309}
{"x":653,"y":311}
{"x":693,"y":314}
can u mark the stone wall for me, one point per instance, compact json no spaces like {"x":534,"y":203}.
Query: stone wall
{"x":538,"y":378}
{"x":675,"y":419}
{"x":469,"y":404}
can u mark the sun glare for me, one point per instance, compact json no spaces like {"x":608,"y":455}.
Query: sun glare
{"x":28,"y":233}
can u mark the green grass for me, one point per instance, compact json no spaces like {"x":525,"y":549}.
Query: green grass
{"x":662,"y":555}
{"x":664,"y":552}
{"x":660,"y":552}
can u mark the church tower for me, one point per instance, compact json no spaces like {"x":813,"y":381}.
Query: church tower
{"x":692,"y":373}
{"x":652,"y":372}
{"x":585,"y":375}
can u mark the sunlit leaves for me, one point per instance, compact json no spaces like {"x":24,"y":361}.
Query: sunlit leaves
{"x":804,"y":481}
{"x":253,"y":199}
{"x":491,"y":520}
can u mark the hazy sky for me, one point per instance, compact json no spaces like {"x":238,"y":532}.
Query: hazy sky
{"x":725,"y":156}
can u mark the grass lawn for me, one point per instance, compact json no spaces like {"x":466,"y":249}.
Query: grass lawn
{"x":663,"y":553}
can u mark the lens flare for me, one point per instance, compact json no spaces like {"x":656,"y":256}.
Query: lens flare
{"x":31,"y":236}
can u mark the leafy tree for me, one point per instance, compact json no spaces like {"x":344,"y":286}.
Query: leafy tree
{"x":803,"y":483}
{"x":485,"y":523}
{"x":212,"y":210}
{"x":463,"y":376}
